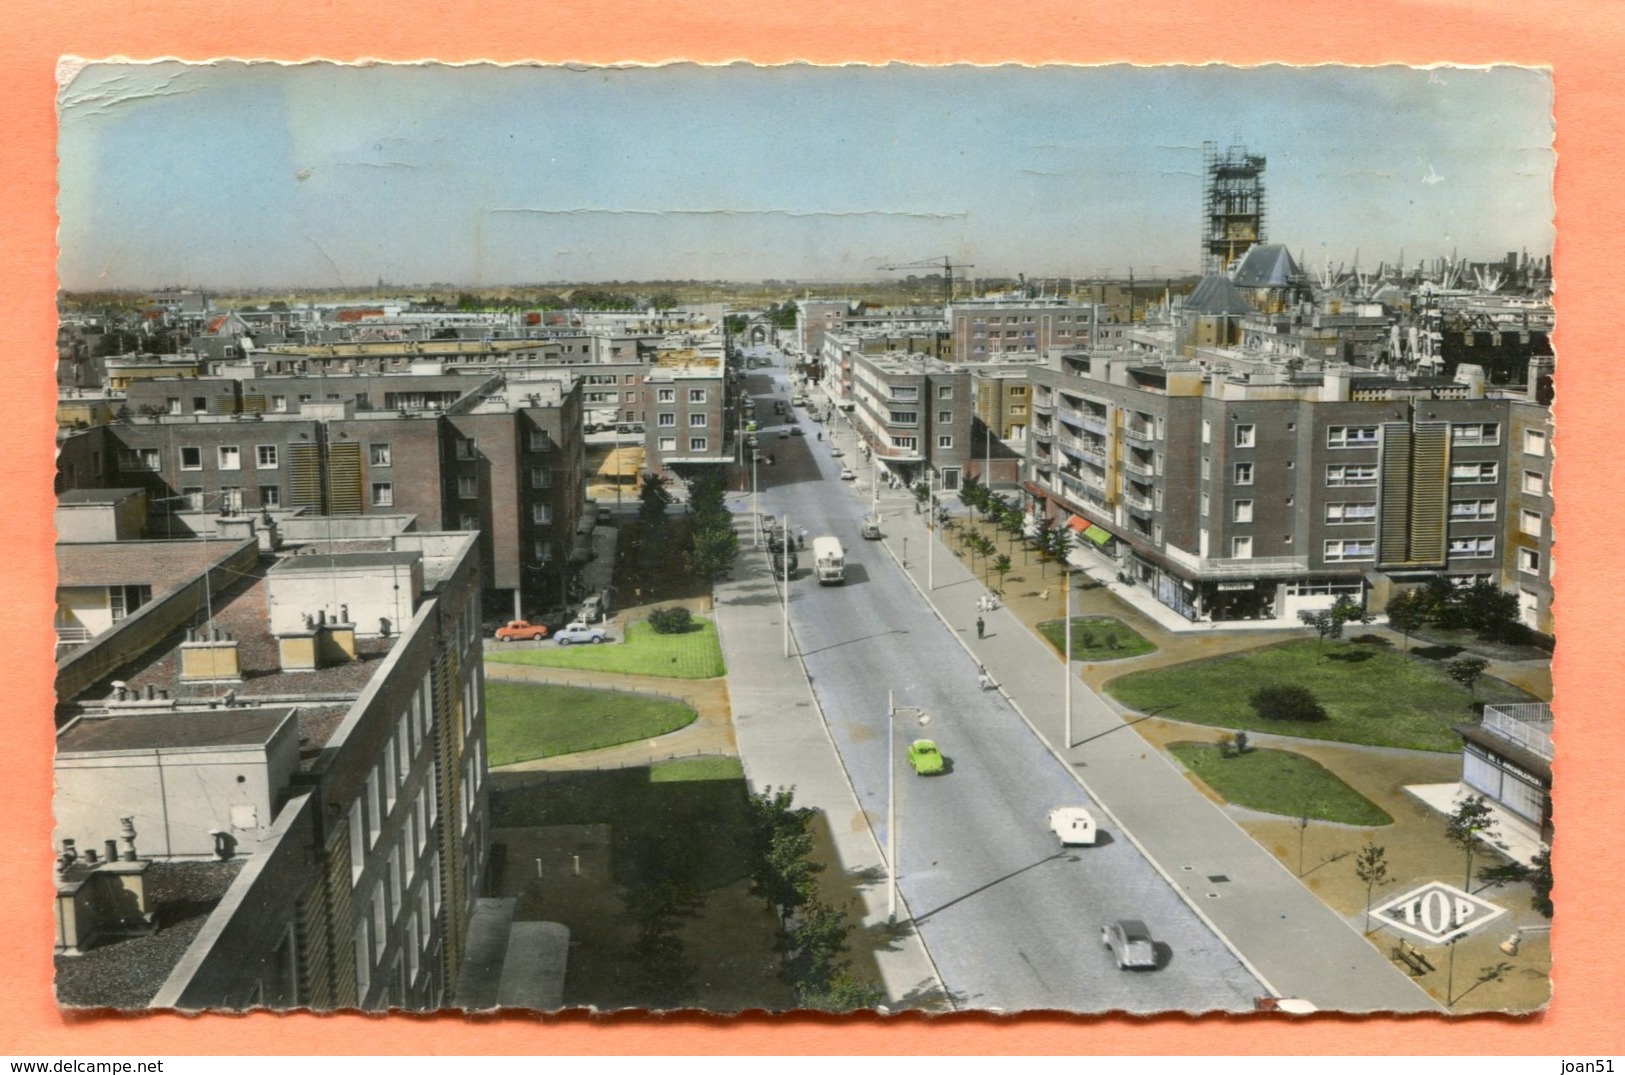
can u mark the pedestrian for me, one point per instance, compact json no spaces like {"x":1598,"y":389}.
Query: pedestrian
{"x":802,"y":537}
{"x":820,"y":434}
{"x":981,"y":627}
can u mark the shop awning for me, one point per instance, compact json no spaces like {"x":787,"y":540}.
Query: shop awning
{"x":1095,"y":534}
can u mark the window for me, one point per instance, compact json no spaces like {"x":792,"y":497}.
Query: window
{"x":1472,"y":510}
{"x":270,"y":496}
{"x":945,"y":392}
{"x":1530,"y":522}
{"x":666,"y":420}
{"x":191,"y":458}
{"x":1241,"y":548}
{"x":467,"y":521}
{"x":230,"y":457}
{"x":358,"y":842}
{"x":697,"y":421}
{"x":1534,"y":442}
{"x":667,"y":444}
{"x":200,"y":404}
{"x":1351,"y":436}
{"x":383,"y":494}
{"x":1244,"y":474}
{"x":467,"y":448}
{"x":1471,"y":433}
{"x":1472,"y":547}
{"x":665,"y":395}
{"x":1351,"y":513}
{"x":540,"y":440}
{"x":468,"y":487}
{"x":1204,"y":504}
{"x":1246,"y":436}
{"x":1241,"y":511}
{"x":1474,"y":473}
{"x":1529,"y":561}
{"x":631,"y":378}
{"x":541,"y":514}
{"x":279,"y":404}
{"x":378,"y":455}
{"x":1207,"y":468}
{"x":696,"y":395}
{"x":1347,"y":549}
{"x":945,"y":417}
{"x":193,"y":495}
{"x":265,"y":457}
{"x":1345,"y":474}
{"x":1534,"y":483}
{"x":945,"y":442}
{"x":1207,"y":431}
{"x":905,"y":418}
{"x":231,"y":499}
{"x":123,"y":600}
{"x":542,"y":551}
{"x":541,"y":478}
{"x":696,"y":444}
{"x":907,"y":443}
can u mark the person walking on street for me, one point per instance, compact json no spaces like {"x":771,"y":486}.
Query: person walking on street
{"x":802,"y":537}
{"x":981,"y":627}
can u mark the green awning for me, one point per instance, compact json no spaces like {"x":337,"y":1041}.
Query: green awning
{"x":1097,"y":535}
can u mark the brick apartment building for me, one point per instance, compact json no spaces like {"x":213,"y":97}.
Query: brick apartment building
{"x":290,"y":728}
{"x":915,"y":414}
{"x":1247,"y":490}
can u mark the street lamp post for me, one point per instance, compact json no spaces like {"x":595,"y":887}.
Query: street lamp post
{"x":755,"y":504}
{"x":208,"y":587}
{"x":1068,"y":692}
{"x":930,"y":531}
{"x":784,"y":559}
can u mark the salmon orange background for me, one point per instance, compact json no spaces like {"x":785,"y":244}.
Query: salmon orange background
{"x":1582,"y":40}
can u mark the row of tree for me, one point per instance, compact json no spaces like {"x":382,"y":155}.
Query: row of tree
{"x":1483,"y":608}
{"x":1037,"y":534}
{"x":812,"y":939}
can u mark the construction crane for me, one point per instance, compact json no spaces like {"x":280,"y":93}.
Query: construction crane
{"x":945,"y":263}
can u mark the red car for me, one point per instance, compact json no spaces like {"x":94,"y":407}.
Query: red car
{"x":520,"y":631}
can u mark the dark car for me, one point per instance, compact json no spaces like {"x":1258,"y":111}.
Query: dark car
{"x":1130,"y":943}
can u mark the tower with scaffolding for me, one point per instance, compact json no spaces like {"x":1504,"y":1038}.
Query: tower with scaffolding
{"x":1233,"y":205}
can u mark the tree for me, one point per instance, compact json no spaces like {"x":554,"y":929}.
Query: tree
{"x":1469,"y":822}
{"x":1043,"y":539}
{"x":1409,"y":610}
{"x":713,"y":547}
{"x":1328,"y":622}
{"x":1371,"y":867}
{"x":1002,"y":565}
{"x":970,"y":491}
{"x":1490,"y":612}
{"x":779,"y":848}
{"x":1467,"y":670}
{"x":653,"y":497}
{"x":1286,"y":701}
{"x":1538,"y":875}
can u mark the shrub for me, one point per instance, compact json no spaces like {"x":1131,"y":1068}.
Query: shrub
{"x":671,"y":621}
{"x":1281,"y":701}
{"x":1370,"y":640}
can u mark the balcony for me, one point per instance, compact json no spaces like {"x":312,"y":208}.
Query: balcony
{"x":1094,"y":494}
{"x":1139,"y":469}
{"x":1529,"y":725}
{"x":1090,"y":453}
{"x":1134,"y":500}
{"x":1143,"y":434}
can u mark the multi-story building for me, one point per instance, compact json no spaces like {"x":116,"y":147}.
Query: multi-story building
{"x":986,"y":329}
{"x":281,"y":749}
{"x":689,"y":425}
{"x":1252,"y":490}
{"x":500,"y":454}
{"x":915,"y":414}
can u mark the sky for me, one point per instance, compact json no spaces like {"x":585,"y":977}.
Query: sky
{"x":234,"y":175}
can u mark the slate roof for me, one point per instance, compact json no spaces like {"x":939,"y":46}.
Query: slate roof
{"x":1267,"y":265}
{"x":1217,"y":295}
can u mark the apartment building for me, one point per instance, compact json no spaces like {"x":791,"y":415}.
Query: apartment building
{"x":289,"y":729}
{"x":915,"y":414}
{"x":985,"y":329}
{"x":1252,"y":491}
{"x":498,"y":454}
{"x":689,"y":424}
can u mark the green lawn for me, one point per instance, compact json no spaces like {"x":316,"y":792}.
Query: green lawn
{"x":1279,"y":782}
{"x":695,"y":654}
{"x":1093,"y":638}
{"x":681,"y":770}
{"x":527,"y":720}
{"x":1371,"y":694}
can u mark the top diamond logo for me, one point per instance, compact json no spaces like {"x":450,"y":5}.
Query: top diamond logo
{"x":1438,"y":913}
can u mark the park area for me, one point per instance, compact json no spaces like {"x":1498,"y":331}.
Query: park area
{"x":1277,"y":782}
{"x":692,"y":654}
{"x":1096,"y":638}
{"x":525,"y":721}
{"x":1371,"y":693}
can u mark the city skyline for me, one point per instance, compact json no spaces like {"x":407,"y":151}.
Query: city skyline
{"x":322,"y":175}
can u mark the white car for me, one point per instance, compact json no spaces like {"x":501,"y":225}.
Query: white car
{"x":847,"y":475}
{"x":836,"y":452}
{"x":571,"y":633}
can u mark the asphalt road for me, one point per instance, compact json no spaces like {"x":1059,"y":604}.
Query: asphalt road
{"x":1011,"y":919}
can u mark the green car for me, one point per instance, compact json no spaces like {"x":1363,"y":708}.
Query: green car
{"x":924,"y":756}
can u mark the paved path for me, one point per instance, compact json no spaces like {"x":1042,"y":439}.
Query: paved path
{"x":1292,"y":940}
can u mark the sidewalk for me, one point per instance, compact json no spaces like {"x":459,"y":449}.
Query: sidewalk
{"x":783,"y":743}
{"x":1270,"y":918}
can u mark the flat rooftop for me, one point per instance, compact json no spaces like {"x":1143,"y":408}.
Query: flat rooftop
{"x":157,"y":731}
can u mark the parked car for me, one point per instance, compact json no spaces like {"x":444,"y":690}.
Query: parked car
{"x":1130,"y":943}
{"x":795,"y":431}
{"x":924,"y":757}
{"x":848,"y":475}
{"x":871,"y":530}
{"x":520,"y":631}
{"x":571,"y":633}
{"x":836,"y":452}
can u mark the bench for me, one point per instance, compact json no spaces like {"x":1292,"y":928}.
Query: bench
{"x":1412,"y":956}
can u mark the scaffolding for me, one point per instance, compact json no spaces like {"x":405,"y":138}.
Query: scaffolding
{"x":1233,"y":205}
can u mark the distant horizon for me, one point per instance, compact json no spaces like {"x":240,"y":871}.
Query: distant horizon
{"x":322,"y":175}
